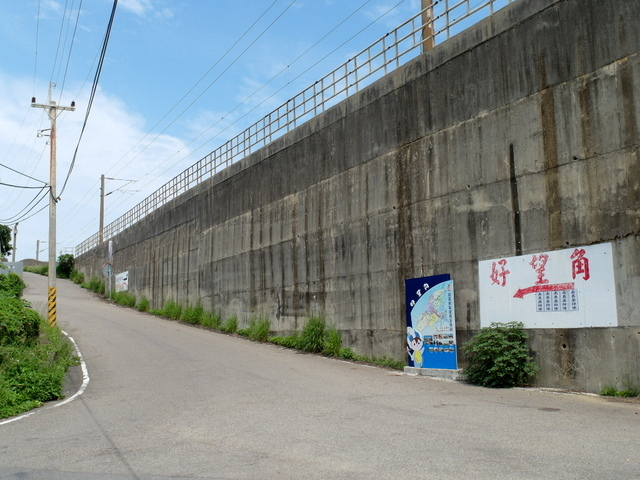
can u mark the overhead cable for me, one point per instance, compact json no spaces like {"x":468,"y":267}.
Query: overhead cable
{"x":184,"y":96}
{"x":281,"y":88}
{"x":20,"y":173}
{"x":268,"y":98}
{"x":22,"y":215}
{"x":94,"y":88}
{"x":195,"y":85}
{"x":73,"y":37}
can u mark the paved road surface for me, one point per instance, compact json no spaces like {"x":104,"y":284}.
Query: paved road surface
{"x":170,"y":401}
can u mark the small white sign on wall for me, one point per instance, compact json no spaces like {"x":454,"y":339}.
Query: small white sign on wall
{"x":122,"y":282}
{"x":572,"y":288}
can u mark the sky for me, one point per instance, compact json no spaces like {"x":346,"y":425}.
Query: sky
{"x":179,"y":79}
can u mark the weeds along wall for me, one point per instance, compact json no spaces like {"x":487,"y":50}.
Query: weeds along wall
{"x":519,"y":135}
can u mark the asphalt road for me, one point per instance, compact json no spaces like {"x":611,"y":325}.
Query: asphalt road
{"x":171,"y":401}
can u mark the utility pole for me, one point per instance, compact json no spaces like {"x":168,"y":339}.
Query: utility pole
{"x":53,"y":111}
{"x":15,"y":242}
{"x":102,"y":195}
{"x":38,"y":242}
{"x":101,"y":239}
{"x":428,"y":41}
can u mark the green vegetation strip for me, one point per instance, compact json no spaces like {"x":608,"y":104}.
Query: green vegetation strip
{"x":316,"y":336}
{"x":34,"y":357}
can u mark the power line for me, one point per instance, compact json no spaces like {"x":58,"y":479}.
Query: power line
{"x":17,"y":186}
{"x":94,"y":88}
{"x":240,"y":104}
{"x":20,"y":216}
{"x":210,"y":85}
{"x":188,"y":92}
{"x":279,"y":90}
{"x":73,"y":37}
{"x":183,"y":97}
{"x":20,"y":173}
{"x":259,"y":89}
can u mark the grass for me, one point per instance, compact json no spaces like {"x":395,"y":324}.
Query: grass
{"x":171,"y":310}
{"x":31,"y":374}
{"x":230,"y":325}
{"x":124,"y":298}
{"x":212,"y":320}
{"x":143,"y":304}
{"x":315,"y":337}
{"x":290,"y":341}
{"x":258,"y":330}
{"x":312,"y":338}
{"x":43,"y":270}
{"x":94,"y":285}
{"x":193,"y":315}
{"x":628,"y":392}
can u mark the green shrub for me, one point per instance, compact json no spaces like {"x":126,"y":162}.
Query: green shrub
{"x":230,"y":325}
{"x":124,"y":298}
{"x":33,"y":374}
{"x":143,"y":305}
{"x":332,"y":342}
{"x":258,"y":329}
{"x":312,"y":337}
{"x":498,"y":357}
{"x":172,"y":310}
{"x":11,"y":284}
{"x":193,"y":315}
{"x":347,"y":354}
{"x":95,"y":285}
{"x":19,"y":325}
{"x":77,"y":277}
{"x":65,"y":265}
{"x":211,"y":320}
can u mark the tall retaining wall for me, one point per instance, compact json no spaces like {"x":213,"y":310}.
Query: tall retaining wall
{"x":519,"y":135}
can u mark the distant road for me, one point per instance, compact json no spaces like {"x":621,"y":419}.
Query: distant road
{"x":171,"y":401}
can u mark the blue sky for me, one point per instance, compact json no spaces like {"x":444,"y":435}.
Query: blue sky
{"x":162,"y":55}
{"x":179,"y":79}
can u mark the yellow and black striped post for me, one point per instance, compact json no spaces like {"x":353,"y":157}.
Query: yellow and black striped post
{"x":52,"y":309}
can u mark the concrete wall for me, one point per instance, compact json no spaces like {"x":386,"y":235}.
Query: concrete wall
{"x":518,"y":135}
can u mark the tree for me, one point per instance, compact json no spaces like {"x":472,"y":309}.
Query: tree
{"x":65,"y":265}
{"x":5,"y":241}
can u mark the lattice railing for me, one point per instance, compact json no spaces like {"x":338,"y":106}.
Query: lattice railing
{"x":448,"y":17}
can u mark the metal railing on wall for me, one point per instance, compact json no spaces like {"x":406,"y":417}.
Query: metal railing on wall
{"x":433,"y":25}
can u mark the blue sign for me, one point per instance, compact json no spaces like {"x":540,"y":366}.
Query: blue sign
{"x":431,"y":324}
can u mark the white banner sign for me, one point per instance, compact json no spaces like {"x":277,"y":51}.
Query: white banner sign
{"x":122,"y":282}
{"x":570,"y":288}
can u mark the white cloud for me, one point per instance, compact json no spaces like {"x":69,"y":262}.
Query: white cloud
{"x":147,"y":8}
{"x":109,"y":146}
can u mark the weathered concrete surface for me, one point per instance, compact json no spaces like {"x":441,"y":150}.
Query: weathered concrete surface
{"x":518,"y":135}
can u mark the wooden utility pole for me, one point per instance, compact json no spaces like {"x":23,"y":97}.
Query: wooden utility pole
{"x":52,"y":110}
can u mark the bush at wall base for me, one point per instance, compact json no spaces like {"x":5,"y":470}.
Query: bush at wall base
{"x":497,"y":357}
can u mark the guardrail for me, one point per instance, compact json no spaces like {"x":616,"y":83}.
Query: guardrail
{"x":447,"y":18}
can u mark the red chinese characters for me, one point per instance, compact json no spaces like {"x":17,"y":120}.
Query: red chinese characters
{"x":499,"y":273}
{"x":580,"y":264}
{"x":539,"y":264}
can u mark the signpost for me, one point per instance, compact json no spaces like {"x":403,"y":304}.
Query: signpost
{"x":571,"y":288}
